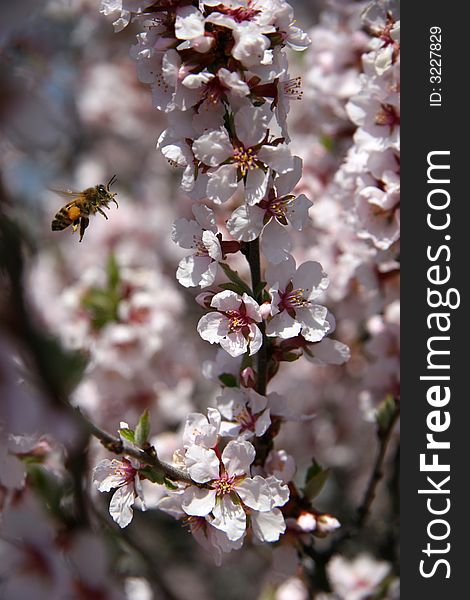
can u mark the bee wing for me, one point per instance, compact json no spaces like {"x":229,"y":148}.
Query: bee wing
{"x":67,"y":194}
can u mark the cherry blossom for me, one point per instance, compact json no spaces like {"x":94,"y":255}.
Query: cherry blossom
{"x":214,"y":540}
{"x":200,"y":236}
{"x":201,"y":430}
{"x":327,"y":352}
{"x":122,"y":475}
{"x":293,"y":291}
{"x":281,"y":465}
{"x":268,"y":218}
{"x":357,"y":579}
{"x":246,"y":156}
{"x":245,"y":413}
{"x":230,"y":492}
{"x":234,"y":325}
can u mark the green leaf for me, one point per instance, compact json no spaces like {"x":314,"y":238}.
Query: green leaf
{"x":290,"y":357}
{"x":327,"y":142}
{"x":112,"y":270}
{"x":153,"y":475}
{"x":64,"y":368}
{"x":142,"y":431}
{"x":268,"y":594}
{"x":103,"y":303}
{"x":49,"y":488}
{"x":228,"y":380}
{"x":259,"y":289}
{"x":229,"y":122}
{"x":236,"y":279}
{"x":170,"y":484}
{"x":315,"y":480}
{"x":232,"y":287}
{"x":386,"y":413}
{"x":127,"y":434}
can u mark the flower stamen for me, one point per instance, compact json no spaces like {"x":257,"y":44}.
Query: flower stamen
{"x":246,"y":159}
{"x":224,"y":485}
{"x":291,"y":300}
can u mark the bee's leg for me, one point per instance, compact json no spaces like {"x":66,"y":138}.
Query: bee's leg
{"x":83,"y":225}
{"x":100,"y":210}
{"x":115,"y":202}
{"x":75,"y":225}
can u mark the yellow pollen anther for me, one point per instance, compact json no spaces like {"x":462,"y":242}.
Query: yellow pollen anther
{"x":245,"y":158}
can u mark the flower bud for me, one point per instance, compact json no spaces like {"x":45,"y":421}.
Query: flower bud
{"x":265,"y":310}
{"x":204,"y":299}
{"x":248,"y":378}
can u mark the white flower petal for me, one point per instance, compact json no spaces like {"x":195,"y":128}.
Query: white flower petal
{"x":263,"y":422}
{"x":189,"y":23}
{"x":106,"y":475}
{"x":281,"y":275}
{"x":222,"y":183}
{"x":252,"y":308}
{"x":213,"y":148}
{"x":256,"y":402}
{"x":213,"y":327}
{"x":120,"y":507}
{"x":311,"y":277}
{"x":197,"y":80}
{"x":237,"y":457}
{"x":214,"y":418}
{"x":232,"y":80}
{"x":171,"y":505}
{"x":198,"y":502}
{"x":297,"y":212}
{"x":278,"y":158}
{"x":279,"y":491}
{"x":268,"y":526}
{"x":255,"y":493}
{"x":171,"y":64}
{"x":226,"y":300}
{"x":202,"y":464}
{"x":209,"y":276}
{"x":205,"y":217}
{"x":256,"y":339}
{"x":256,"y":185}
{"x":250,"y":44}
{"x":285,"y":184}
{"x":284,"y":326}
{"x":328,"y":352}
{"x":235,"y":344}
{"x":229,"y":517}
{"x":185,"y":232}
{"x":246,"y":223}
{"x":276,"y":242}
{"x":251,"y":124}
{"x":200,"y":431}
{"x":212,"y":245}
{"x":314,"y":323}
{"x":196,"y":270}
{"x":230,"y":430}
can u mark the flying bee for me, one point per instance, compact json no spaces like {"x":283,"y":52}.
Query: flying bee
{"x":83,"y":204}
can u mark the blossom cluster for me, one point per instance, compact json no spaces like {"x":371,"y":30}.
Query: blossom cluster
{"x":319,"y":196}
{"x":219,"y":71}
{"x":351,"y":167}
{"x":370,"y":177}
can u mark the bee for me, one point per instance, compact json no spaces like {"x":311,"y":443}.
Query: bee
{"x":82,"y":204}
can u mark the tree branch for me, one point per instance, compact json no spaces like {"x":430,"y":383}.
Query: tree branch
{"x":384,"y":436}
{"x":254,"y":260}
{"x":115,"y":445}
